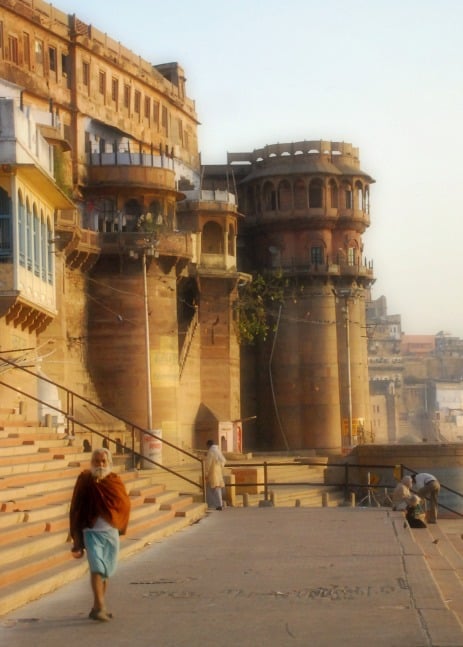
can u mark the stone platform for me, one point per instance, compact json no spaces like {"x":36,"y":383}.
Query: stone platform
{"x":263,"y":576}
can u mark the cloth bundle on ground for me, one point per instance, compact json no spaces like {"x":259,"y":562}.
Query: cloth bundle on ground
{"x":415,"y":514}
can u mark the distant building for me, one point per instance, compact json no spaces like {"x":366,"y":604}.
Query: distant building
{"x":415,"y":381}
{"x":418,"y":344}
{"x":385,"y":368}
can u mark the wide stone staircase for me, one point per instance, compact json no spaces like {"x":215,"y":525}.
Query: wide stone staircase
{"x":38,"y":469}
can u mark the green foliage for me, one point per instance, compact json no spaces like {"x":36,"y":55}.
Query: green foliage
{"x":256,"y":303}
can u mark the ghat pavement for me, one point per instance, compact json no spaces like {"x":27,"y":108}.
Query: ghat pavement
{"x":259,"y":576}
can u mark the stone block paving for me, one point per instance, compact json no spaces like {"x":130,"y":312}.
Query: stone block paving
{"x":259,"y":576}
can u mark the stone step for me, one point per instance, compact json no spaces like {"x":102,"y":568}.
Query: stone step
{"x":191,"y":510}
{"x":33,"y":529}
{"x":21,"y":486}
{"x":284,"y":496}
{"x":145,"y":490}
{"x":17,"y":423}
{"x":28,"y":434}
{"x":178,"y":503}
{"x":445,"y":563}
{"x":38,"y":501}
{"x":9,"y":443}
{"x":145,"y":518}
{"x":160,"y":498}
{"x":27,"y":547}
{"x":55,"y":567}
{"x":13,"y":518}
{"x":37,"y":575}
{"x":36,"y":467}
{"x":39,"y":494}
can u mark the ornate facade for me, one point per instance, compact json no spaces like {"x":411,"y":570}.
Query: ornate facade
{"x":307,"y":206}
{"x":119,"y":255}
{"x":98,"y":262}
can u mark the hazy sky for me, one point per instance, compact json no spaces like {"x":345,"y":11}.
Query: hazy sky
{"x":385,"y":75}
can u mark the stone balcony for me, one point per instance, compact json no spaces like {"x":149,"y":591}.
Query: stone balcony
{"x":133,"y":169}
{"x":340,"y":268}
{"x":159,"y":243}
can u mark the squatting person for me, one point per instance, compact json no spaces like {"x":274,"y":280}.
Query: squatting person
{"x":99,"y":513}
{"x":428,"y":487}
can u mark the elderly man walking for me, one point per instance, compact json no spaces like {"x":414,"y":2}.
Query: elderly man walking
{"x":99,"y":513}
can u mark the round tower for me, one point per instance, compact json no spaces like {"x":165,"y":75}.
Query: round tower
{"x":306,"y":206}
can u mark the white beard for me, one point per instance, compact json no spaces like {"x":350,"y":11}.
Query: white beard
{"x":100,"y":473}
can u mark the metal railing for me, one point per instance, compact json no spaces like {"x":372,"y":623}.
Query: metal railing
{"x":359,"y":485}
{"x":73,"y":398}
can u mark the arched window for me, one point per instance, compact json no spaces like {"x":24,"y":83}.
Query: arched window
{"x":270,"y":201}
{"x":50,"y":256}
{"x":317,"y":255}
{"x":359,"y":195}
{"x":212,"y":238}
{"x":105,"y":211}
{"x":351,"y":255}
{"x":29,"y":248}
{"x":21,"y":230}
{"x":300,"y":194}
{"x":43,"y":247}
{"x":284,"y":196}
{"x":333,"y":194}
{"x":132,"y":212}
{"x":367,"y":199}
{"x":155,"y":209}
{"x":5,"y":225}
{"x":315,"y":194}
{"x":36,"y":240}
{"x":347,"y":196}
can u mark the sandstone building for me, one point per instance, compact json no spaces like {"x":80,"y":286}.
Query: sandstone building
{"x":307,"y":206}
{"x":122,"y":259}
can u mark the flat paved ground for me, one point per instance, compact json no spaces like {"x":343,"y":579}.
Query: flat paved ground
{"x":251,"y":577}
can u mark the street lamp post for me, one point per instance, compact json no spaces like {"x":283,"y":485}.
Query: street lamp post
{"x":151,"y":445}
{"x":149,"y":403}
{"x":349,"y":374}
{"x":346,"y":294}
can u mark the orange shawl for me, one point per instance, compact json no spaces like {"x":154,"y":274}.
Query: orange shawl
{"x":92,"y":499}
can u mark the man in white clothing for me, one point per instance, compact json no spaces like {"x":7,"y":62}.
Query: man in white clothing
{"x":428,"y":487}
{"x":215,"y":462}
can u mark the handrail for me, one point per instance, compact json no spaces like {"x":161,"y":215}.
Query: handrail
{"x":346,"y":484}
{"x":70,"y":418}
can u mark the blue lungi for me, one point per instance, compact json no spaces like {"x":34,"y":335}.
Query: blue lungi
{"x":102,"y":548}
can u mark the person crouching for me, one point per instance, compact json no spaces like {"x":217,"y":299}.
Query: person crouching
{"x":414,"y":512}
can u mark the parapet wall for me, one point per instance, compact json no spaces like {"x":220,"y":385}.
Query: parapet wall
{"x":418,"y":457}
{"x":312,"y":147}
